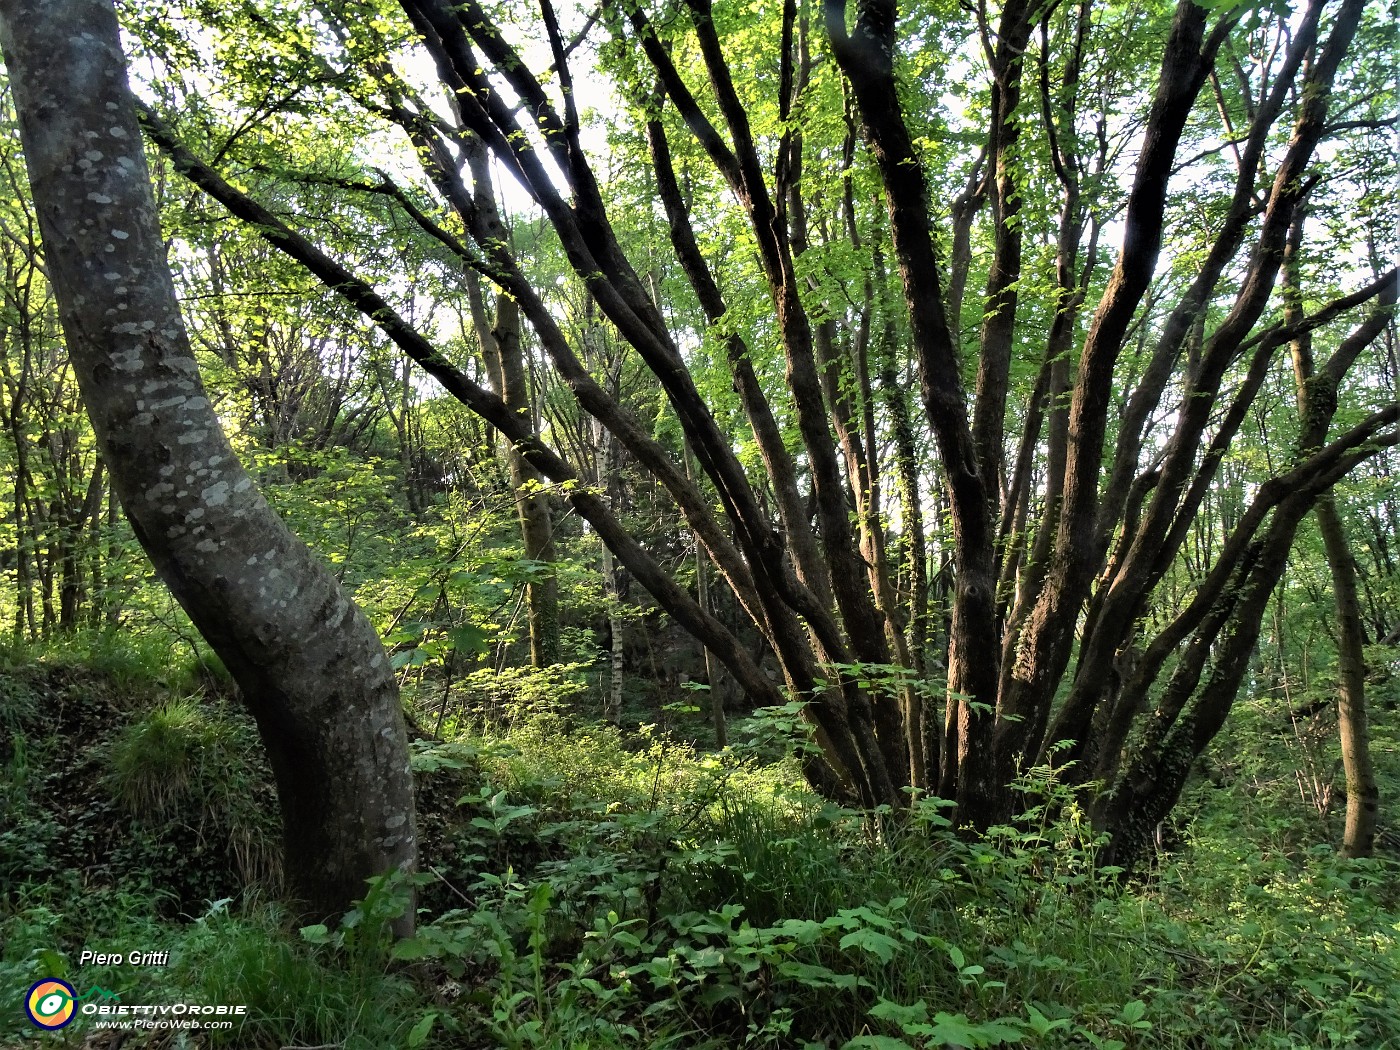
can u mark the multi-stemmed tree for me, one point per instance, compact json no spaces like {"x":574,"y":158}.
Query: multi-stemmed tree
{"x":960,"y":311}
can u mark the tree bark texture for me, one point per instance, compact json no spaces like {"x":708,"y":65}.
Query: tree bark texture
{"x":1363,"y":793}
{"x":309,"y":666}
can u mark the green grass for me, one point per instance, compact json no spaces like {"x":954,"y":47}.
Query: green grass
{"x":158,"y":760}
{"x":296,"y":994}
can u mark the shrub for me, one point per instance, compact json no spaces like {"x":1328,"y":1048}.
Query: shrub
{"x":200,"y":766}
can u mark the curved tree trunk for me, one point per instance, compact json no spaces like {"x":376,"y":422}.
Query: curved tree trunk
{"x":310,"y":666}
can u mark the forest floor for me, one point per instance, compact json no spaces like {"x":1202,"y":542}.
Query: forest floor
{"x":583,"y":887}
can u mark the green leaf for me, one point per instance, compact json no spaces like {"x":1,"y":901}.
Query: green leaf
{"x":899,"y":1013}
{"x":467,"y":638}
{"x":817,"y":976}
{"x":410,"y":658}
{"x":414,"y":948}
{"x":1042,"y":1025}
{"x":872,"y":941}
{"x":957,"y":1030}
{"x":52,"y":963}
{"x":418,"y":1034}
{"x":1133,"y":1012}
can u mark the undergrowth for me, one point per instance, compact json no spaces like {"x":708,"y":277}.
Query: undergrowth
{"x":616,"y":892}
{"x":583,"y":887}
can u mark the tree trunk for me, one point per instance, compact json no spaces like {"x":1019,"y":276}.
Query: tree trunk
{"x":532,"y":505}
{"x":1363,"y":796}
{"x":612,"y":696}
{"x":309,"y":665}
{"x":17,"y":391}
{"x":504,"y":354}
{"x":712,"y":671}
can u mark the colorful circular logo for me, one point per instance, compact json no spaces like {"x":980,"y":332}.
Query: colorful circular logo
{"x":50,"y":1003}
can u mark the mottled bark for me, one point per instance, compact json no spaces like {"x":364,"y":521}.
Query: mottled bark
{"x":309,"y":665}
